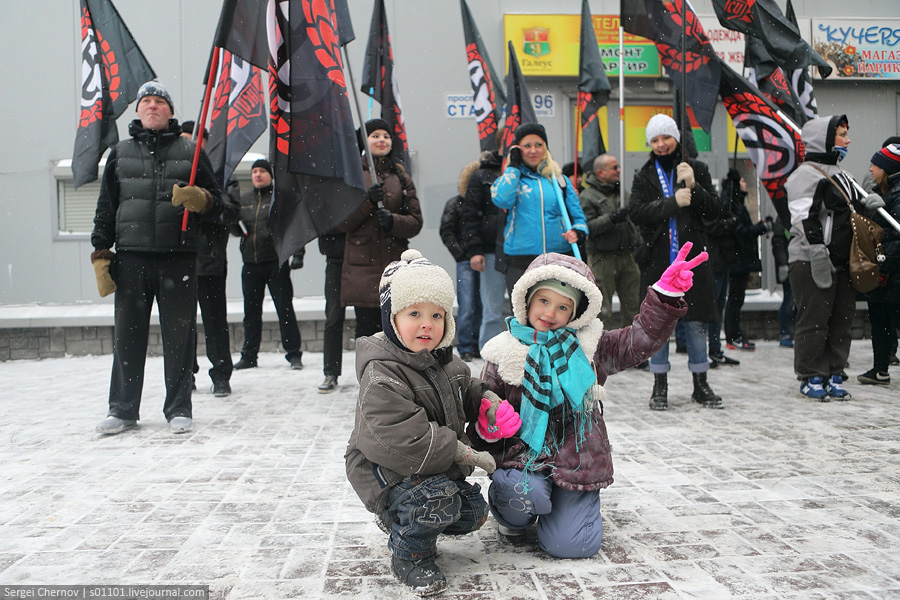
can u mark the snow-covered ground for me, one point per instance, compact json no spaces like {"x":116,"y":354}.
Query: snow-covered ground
{"x":774,"y":497}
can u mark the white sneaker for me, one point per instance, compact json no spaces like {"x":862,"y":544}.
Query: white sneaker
{"x":114,"y":425}
{"x":181,"y":424}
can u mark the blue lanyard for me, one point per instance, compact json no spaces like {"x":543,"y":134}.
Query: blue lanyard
{"x":665,"y":180}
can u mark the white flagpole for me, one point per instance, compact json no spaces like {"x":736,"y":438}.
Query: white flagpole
{"x":621,"y":114}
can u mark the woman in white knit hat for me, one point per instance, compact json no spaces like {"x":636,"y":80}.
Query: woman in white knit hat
{"x":670,"y":200}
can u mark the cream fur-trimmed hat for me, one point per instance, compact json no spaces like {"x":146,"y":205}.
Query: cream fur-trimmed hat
{"x":411,"y":280}
{"x":660,"y":124}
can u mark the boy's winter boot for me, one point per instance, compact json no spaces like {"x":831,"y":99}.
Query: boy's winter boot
{"x":421,"y":576}
{"x":704,"y":394}
{"x":659,"y":396}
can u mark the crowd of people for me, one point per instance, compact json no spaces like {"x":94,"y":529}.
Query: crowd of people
{"x":676,"y":252}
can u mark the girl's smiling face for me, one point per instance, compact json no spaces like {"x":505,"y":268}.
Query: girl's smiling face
{"x":549,"y":310}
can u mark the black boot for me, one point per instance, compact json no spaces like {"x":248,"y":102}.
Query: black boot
{"x":422,"y":576}
{"x":659,"y":396}
{"x":704,"y":394}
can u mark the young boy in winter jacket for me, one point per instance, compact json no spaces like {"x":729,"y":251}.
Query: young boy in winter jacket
{"x":550,"y":365}
{"x":408,"y":456}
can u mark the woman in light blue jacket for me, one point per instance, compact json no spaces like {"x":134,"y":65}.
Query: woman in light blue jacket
{"x":528,"y":192}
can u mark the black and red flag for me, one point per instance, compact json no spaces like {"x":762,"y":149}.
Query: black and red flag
{"x":113,"y":68}
{"x":772,"y":140}
{"x":772,"y":80}
{"x":518,"y":103}
{"x":593,"y":86}
{"x":239,"y":113}
{"x":800,"y":79}
{"x":487,"y":96}
{"x":380,"y":81}
{"x":764,"y":20}
{"x":662,"y":22}
{"x":313,"y":148}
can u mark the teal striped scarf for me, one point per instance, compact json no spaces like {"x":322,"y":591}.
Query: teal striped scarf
{"x":556,"y":372}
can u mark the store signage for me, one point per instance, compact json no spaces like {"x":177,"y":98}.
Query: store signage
{"x":859,"y":48}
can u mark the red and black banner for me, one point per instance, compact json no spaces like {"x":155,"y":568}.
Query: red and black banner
{"x":801,"y":81}
{"x":662,"y":21}
{"x":593,"y":86}
{"x":764,"y":20}
{"x":772,"y":81}
{"x":772,"y":141}
{"x":518,"y":103}
{"x":380,"y":81}
{"x":238,"y":115}
{"x":315,"y":156}
{"x":486,"y":95}
{"x":113,"y":68}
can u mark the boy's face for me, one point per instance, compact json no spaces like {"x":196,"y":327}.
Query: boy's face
{"x":549,"y":310}
{"x":420,"y":326}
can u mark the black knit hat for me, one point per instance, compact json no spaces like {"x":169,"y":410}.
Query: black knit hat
{"x":263,"y":163}
{"x":530,"y":129}
{"x":376,"y":124}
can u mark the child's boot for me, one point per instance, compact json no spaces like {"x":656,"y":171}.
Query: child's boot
{"x":659,"y":399}
{"x":421,"y":576}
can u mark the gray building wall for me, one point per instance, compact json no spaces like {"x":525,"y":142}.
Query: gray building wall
{"x":42,"y":71}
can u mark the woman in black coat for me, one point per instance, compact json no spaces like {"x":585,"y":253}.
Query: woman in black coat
{"x":734,"y":191}
{"x":670,"y":200}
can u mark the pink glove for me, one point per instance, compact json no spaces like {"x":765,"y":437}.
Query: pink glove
{"x":506,"y":419}
{"x":679,"y":278}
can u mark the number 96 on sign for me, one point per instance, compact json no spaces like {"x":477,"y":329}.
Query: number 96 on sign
{"x":461,"y":106}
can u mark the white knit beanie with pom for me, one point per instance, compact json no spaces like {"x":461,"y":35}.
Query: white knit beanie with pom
{"x":411,"y":280}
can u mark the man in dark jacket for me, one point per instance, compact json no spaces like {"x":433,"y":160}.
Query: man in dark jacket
{"x":611,"y":241}
{"x":481,"y":222}
{"x":212,"y":272}
{"x":261,"y":270}
{"x":140,"y":209}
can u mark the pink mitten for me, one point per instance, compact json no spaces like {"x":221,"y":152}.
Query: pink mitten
{"x":679,"y":278}
{"x":506,"y":421}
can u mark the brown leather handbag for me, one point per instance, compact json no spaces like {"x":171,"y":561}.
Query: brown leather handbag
{"x":865,"y":249}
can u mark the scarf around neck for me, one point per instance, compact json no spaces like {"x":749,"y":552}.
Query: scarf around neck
{"x":556,"y":372}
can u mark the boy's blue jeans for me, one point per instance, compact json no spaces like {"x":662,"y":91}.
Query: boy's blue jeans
{"x":422,"y":507}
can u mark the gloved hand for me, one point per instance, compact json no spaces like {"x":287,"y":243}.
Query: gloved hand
{"x":873,"y":202}
{"x":683,"y":197}
{"x":820,"y":266}
{"x":515,"y":157}
{"x":679,"y":278}
{"x":782,"y":273}
{"x":468,"y":457}
{"x":297,"y":262}
{"x":376,"y":194}
{"x":620,"y":215}
{"x":769,"y":224}
{"x":194,"y":198}
{"x":497,"y":419}
{"x":685,"y":173}
{"x":101,"y":259}
{"x":385,"y":218}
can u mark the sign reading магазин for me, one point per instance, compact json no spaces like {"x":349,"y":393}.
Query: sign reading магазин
{"x":859,"y":48}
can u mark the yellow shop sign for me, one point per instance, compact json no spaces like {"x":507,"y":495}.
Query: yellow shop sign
{"x":547,"y":46}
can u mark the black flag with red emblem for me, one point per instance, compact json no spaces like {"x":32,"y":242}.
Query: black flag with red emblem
{"x":518,"y":103}
{"x":764,"y":20}
{"x":661,"y":21}
{"x":113,"y":68}
{"x":238,"y":115}
{"x":487,"y":96}
{"x":772,"y":140}
{"x":313,"y":148}
{"x":380,"y":81}
{"x":593,"y":86}
{"x":772,"y":80}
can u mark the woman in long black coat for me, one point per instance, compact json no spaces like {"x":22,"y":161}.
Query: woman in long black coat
{"x":670,"y":201}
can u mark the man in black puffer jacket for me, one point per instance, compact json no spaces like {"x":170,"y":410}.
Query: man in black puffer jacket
{"x":143,"y":199}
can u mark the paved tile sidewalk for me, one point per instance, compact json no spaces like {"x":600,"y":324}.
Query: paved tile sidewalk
{"x":775,"y":497}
